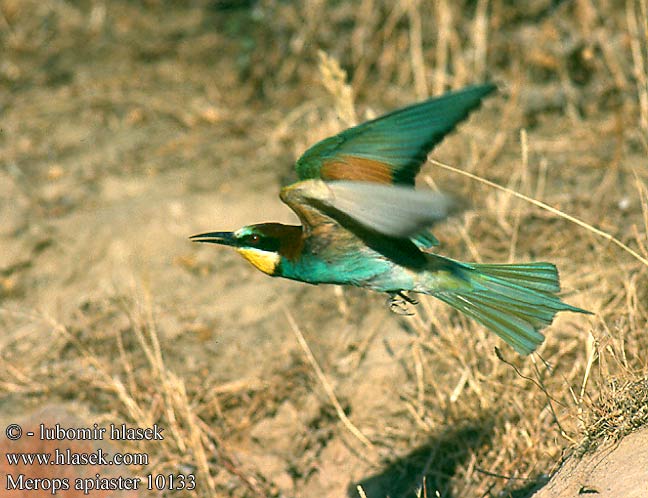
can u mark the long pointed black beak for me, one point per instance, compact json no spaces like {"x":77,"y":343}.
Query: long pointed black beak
{"x":224,"y":238}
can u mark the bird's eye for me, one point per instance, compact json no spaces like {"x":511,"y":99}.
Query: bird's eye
{"x":254,"y":239}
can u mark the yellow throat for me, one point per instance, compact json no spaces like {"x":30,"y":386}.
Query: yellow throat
{"x":263,"y":260}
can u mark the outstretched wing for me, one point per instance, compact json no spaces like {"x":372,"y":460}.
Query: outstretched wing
{"x":395,"y":211}
{"x":391,"y":148}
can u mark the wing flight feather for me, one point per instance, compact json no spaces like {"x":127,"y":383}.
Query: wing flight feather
{"x":394,"y":211}
{"x":391,"y":148}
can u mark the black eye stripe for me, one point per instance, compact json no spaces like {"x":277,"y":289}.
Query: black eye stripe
{"x":261,"y":242}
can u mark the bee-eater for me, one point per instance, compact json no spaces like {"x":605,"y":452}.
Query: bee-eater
{"x":364,"y":224}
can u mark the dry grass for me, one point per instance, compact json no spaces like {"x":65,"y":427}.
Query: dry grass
{"x":565,"y":140}
{"x":620,"y":409}
{"x":560,"y":398}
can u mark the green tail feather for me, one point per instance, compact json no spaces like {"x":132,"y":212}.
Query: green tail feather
{"x":514,"y":301}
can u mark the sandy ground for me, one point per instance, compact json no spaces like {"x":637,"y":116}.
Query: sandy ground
{"x":127,"y":127}
{"x":615,"y":470}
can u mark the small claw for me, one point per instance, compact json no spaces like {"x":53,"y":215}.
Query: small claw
{"x":398,"y":304}
{"x":407,"y":298}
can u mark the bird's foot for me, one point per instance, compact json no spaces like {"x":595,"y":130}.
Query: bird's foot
{"x":407,"y":298}
{"x":398,"y":303}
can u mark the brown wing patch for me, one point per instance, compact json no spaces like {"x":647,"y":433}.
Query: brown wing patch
{"x":356,"y":168}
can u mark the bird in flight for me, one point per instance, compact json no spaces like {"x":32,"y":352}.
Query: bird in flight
{"x":364,"y":224}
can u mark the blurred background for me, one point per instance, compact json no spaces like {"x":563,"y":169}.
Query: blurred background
{"x":126,"y":127}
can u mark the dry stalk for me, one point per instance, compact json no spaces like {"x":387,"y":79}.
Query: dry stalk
{"x":480,"y":40}
{"x":416,"y":49}
{"x":546,"y":207}
{"x":639,"y":49}
{"x":326,"y":384}
{"x":444,"y":16}
{"x":334,"y":79}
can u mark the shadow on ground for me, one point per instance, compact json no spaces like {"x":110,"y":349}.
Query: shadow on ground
{"x":434,"y":463}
